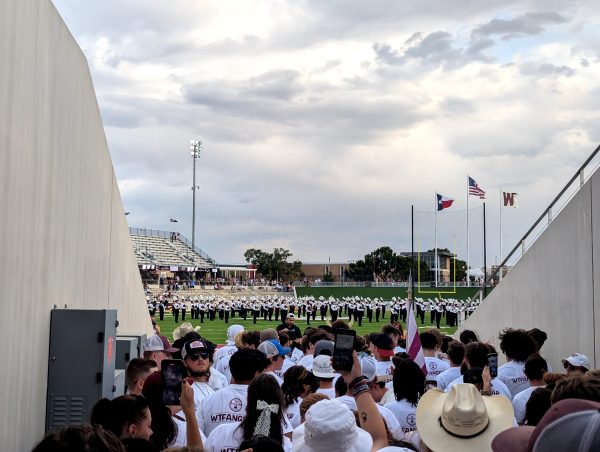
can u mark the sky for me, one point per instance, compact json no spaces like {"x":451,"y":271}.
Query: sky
{"x":322,"y":122}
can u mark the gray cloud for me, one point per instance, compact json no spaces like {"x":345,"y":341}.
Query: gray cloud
{"x":433,"y":50}
{"x":315,"y":142}
{"x":528,"y":24}
{"x":546,"y":69}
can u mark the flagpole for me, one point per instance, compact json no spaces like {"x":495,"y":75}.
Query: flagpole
{"x":484,"y":256}
{"x":435,"y":258}
{"x":468,"y":256}
{"x":500,"y":232}
{"x":412,"y":251}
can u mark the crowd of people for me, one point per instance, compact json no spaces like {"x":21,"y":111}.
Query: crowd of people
{"x":285,"y":389}
{"x":275,"y":307}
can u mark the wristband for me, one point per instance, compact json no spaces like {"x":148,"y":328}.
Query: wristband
{"x":357,"y":381}
{"x":486,"y":393}
{"x":359,"y":389}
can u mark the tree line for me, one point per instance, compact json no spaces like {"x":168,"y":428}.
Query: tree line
{"x":382,"y":264}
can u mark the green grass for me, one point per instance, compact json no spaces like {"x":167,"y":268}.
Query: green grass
{"x":216,"y":331}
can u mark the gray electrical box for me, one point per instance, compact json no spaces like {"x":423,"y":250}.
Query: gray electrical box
{"x":81,"y":364}
{"x":127,"y":349}
{"x":119,"y":383}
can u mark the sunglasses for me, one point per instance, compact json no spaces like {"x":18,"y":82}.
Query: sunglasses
{"x":197,"y":356}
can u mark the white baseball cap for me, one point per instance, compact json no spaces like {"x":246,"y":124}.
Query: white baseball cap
{"x":322,"y":368}
{"x":368,"y":368}
{"x":577,"y":360}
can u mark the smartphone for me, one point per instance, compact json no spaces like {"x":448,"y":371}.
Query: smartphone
{"x":430,"y":384}
{"x":493,"y":364}
{"x":173,"y":372}
{"x":342,"y":350}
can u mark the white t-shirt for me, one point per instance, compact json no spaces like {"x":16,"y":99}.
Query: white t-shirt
{"x":498,"y":388}
{"x":277,"y":377}
{"x":201,"y":392}
{"x":512,"y":375}
{"x":388,"y":397}
{"x":384,"y":368}
{"x":435,"y":367}
{"x":306,"y":361}
{"x":227,"y":350}
{"x":228,"y":437}
{"x":181,"y":438}
{"x":225,"y":406}
{"x":520,"y":402}
{"x":405,"y":412}
{"x":287,"y":363}
{"x":329,"y":392}
{"x":292,"y":413}
{"x":217,"y":380}
{"x":297,"y":355}
{"x":223,"y":367}
{"x":387,"y":415}
{"x":447,"y":376}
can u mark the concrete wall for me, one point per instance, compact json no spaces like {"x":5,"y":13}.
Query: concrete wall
{"x":63,"y":234}
{"x":555,"y":286}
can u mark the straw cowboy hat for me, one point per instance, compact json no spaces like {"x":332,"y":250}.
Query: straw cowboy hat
{"x":462,"y":420}
{"x":183,"y":329}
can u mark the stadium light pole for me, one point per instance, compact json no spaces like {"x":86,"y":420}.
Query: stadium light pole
{"x":195,"y":152}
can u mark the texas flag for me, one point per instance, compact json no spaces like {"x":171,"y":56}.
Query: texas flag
{"x":443,"y":202}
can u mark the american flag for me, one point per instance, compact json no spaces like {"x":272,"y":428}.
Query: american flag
{"x":474,"y":189}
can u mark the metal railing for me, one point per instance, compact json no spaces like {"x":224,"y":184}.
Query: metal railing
{"x":541,"y":224}
{"x":167,"y":235}
{"x":422,"y":284}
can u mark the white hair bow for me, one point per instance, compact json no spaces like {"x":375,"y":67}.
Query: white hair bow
{"x":263,"y":425}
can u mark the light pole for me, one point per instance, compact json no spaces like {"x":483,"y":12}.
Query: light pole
{"x":195,"y":151}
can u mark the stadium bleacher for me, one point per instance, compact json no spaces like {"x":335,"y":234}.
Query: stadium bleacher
{"x":158,"y":248}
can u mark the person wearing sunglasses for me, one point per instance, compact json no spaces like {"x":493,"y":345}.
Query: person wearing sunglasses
{"x":196,"y":358}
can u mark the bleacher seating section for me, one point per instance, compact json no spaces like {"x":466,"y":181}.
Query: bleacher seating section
{"x":162,"y":252}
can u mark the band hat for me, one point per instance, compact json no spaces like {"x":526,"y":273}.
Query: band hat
{"x":524,"y":438}
{"x":183,"y":329}
{"x":330,"y":427}
{"x":578,"y":360}
{"x":462,"y":419}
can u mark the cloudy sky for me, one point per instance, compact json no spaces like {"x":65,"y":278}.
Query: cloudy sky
{"x":323,"y":121}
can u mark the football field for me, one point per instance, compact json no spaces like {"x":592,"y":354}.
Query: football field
{"x":216,"y":331}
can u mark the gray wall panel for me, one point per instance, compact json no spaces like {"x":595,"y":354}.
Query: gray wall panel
{"x":596,"y":256}
{"x":63,"y":234}
{"x":552,"y":286}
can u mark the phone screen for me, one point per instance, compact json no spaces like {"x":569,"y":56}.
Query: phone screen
{"x":493,"y":364}
{"x":343,"y":342}
{"x":173,"y":372}
{"x":342,"y":351}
